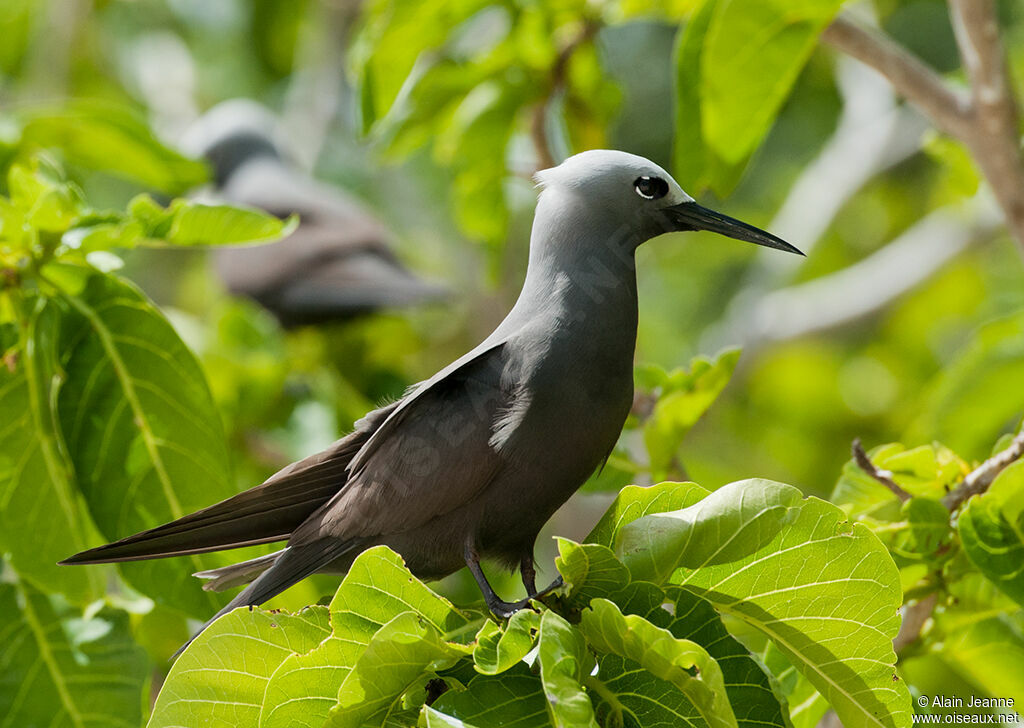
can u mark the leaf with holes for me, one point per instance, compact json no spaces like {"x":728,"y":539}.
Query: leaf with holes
{"x":376,"y":589}
{"x":222,"y":676}
{"x":828,"y":595}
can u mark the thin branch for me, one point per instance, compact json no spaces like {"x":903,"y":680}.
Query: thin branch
{"x":559,"y":70}
{"x":993,"y":135}
{"x":882,"y":476}
{"x":915,"y":616}
{"x":868,"y":286}
{"x":912,"y":79}
{"x":979,"y":479}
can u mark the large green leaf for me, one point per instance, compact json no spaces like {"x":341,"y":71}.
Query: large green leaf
{"x":636,"y":501}
{"x":751,"y":57}
{"x":694,"y":163}
{"x":592,"y":571}
{"x":971,"y":399}
{"x":687,"y":616}
{"x":187,"y":223}
{"x":112,"y":139}
{"x":393,"y":36}
{"x":376,"y":590}
{"x":989,"y":653}
{"x":498,"y":649}
{"x":725,"y":526}
{"x":514,"y":699}
{"x":41,"y":516}
{"x":992,"y":531}
{"x":141,"y":429}
{"x":398,"y":656}
{"x":681,"y":662}
{"x":75,"y":673}
{"x":564,"y":663}
{"x":220,"y":680}
{"x":828,"y":595}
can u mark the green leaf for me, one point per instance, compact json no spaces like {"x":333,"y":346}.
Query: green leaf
{"x":636,"y":501}
{"x":393,"y":35}
{"x":750,"y":689}
{"x":514,"y":699}
{"x":399,"y":654}
{"x":684,"y":398}
{"x":141,"y":430}
{"x":926,"y":471}
{"x":431,"y":718}
{"x":111,"y":139}
{"x":989,"y":653}
{"x":752,"y":54}
{"x":41,"y":518}
{"x":992,"y":532}
{"x":695,"y":165}
{"x":828,"y":595}
{"x":564,"y":663}
{"x":376,"y":589}
{"x":219,"y":681}
{"x":499,"y":648}
{"x":186,"y":223}
{"x":929,"y":529}
{"x":806,"y":706}
{"x":974,"y":395}
{"x":681,"y":662}
{"x":727,"y":525}
{"x":73,"y":672}
{"x":591,"y":570}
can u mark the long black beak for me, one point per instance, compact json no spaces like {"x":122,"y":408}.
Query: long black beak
{"x":691,"y":216}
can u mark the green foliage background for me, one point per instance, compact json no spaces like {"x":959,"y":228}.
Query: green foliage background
{"x":133,"y":389}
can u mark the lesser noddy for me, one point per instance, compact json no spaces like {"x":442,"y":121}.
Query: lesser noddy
{"x":338,"y":264}
{"x":471,"y":462}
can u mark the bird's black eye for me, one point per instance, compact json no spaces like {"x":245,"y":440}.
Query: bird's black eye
{"x":651,"y":188}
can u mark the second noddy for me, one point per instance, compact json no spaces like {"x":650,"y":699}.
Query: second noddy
{"x":471,"y":462}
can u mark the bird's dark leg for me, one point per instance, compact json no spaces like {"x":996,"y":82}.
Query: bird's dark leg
{"x":529,"y":574}
{"x":500,"y":609}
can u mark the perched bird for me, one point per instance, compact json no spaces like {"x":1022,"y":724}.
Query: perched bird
{"x":471,"y":462}
{"x":338,"y":263}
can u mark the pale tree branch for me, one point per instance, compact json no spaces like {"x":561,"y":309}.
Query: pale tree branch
{"x":979,"y":479}
{"x":868,"y":286}
{"x":910,"y":77}
{"x":915,"y":616}
{"x":993,"y":137}
{"x":559,"y":69}
{"x":985,"y":121}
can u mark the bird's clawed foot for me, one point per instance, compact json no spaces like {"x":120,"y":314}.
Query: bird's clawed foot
{"x":504,"y":610}
{"x":499,"y":608}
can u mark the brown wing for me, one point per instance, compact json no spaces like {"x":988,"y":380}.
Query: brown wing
{"x":268,"y":512}
{"x":433,"y":454}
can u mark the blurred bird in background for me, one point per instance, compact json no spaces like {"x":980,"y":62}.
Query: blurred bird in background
{"x":338,"y":264}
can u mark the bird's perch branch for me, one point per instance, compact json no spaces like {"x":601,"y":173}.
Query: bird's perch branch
{"x":979,"y":479}
{"x":985,"y":121}
{"x":993,"y":135}
{"x":538,"y":121}
{"x":882,"y":476}
{"x":909,"y":76}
